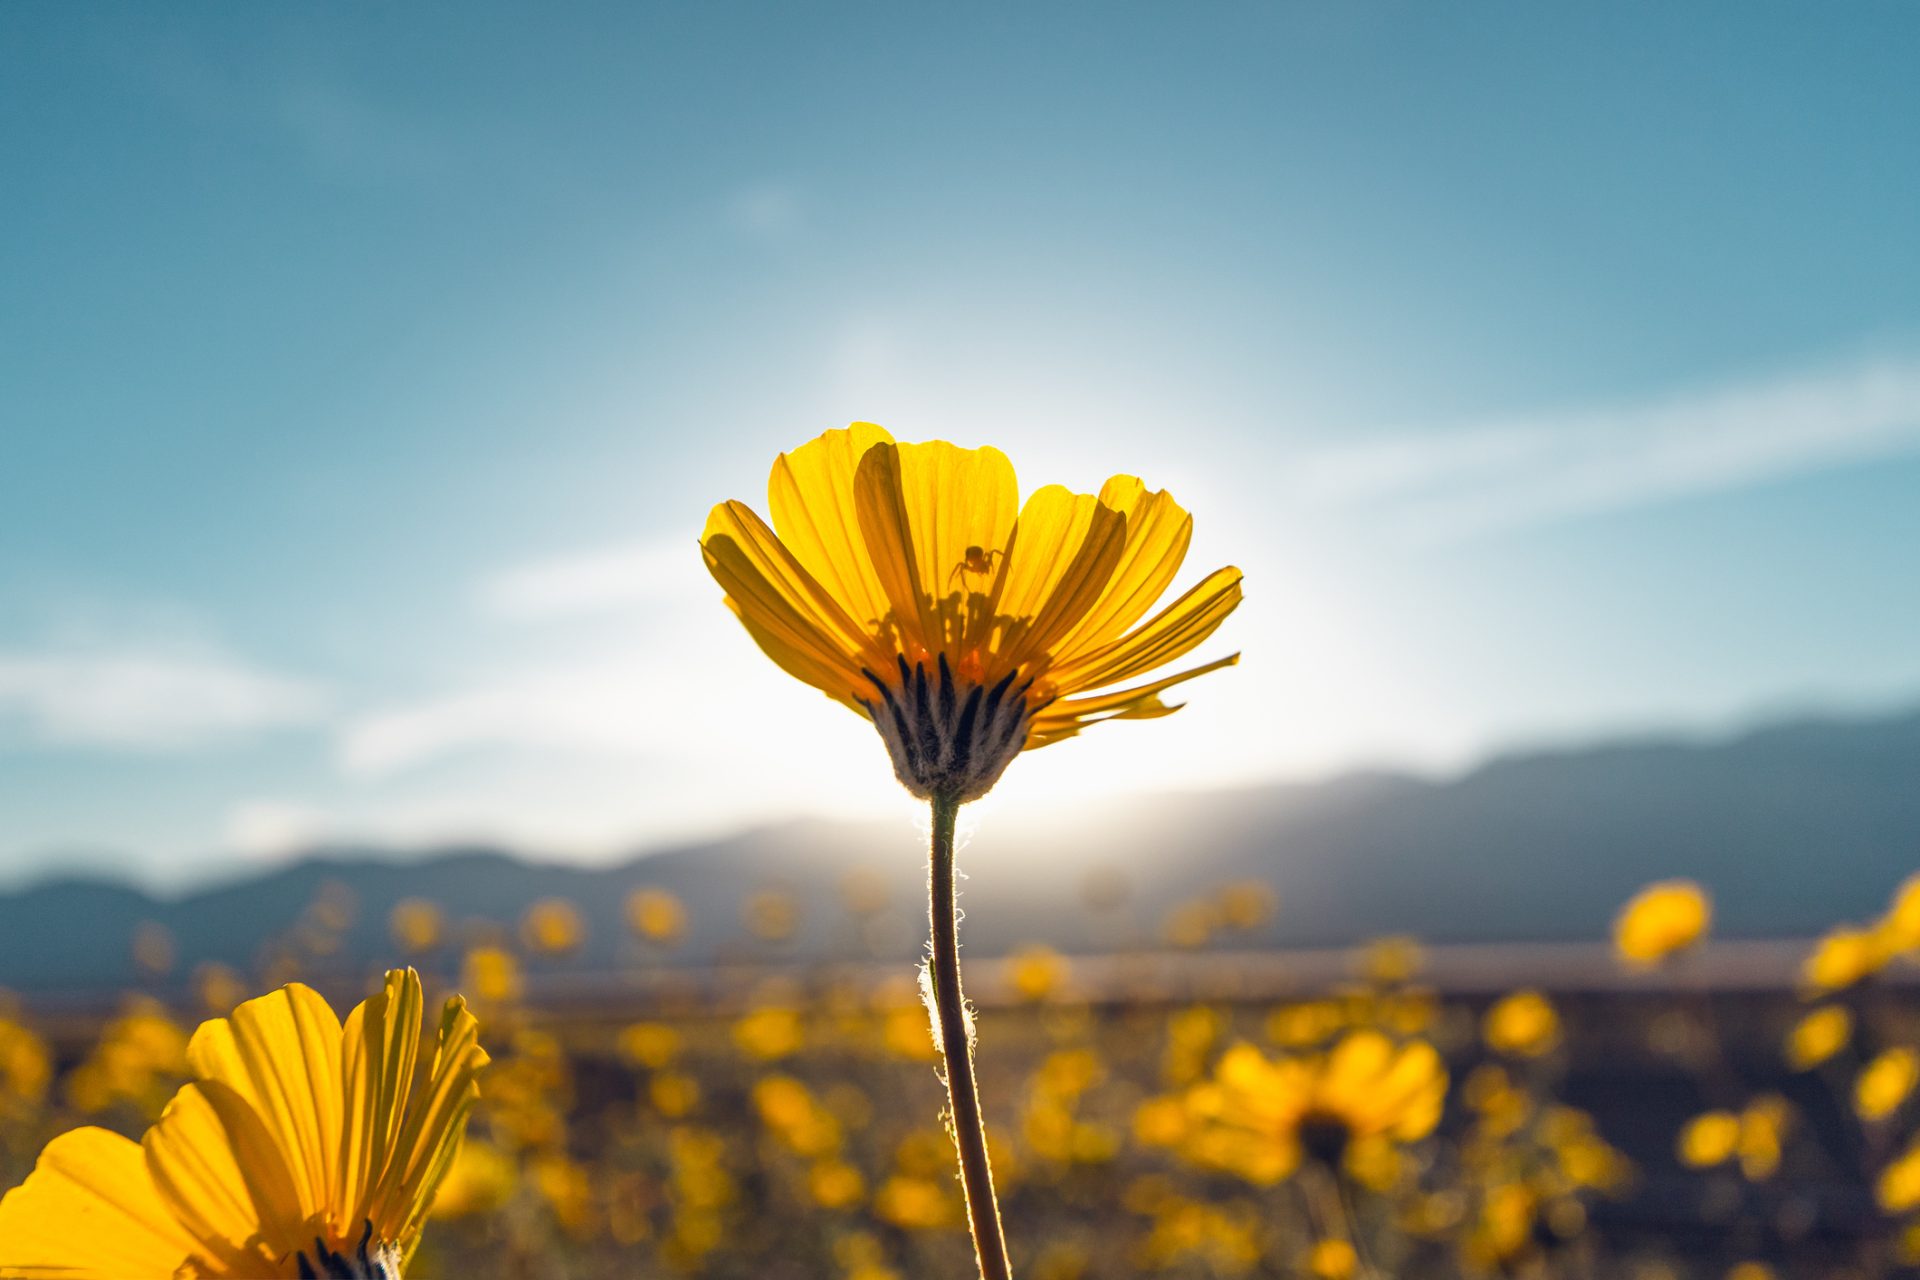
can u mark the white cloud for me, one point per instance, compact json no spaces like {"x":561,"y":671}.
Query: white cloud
{"x":1445,"y":485}
{"x":269,"y":830}
{"x":147,"y":701}
{"x":603,"y":580}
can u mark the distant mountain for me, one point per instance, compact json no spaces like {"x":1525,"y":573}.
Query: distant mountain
{"x":1793,"y":828}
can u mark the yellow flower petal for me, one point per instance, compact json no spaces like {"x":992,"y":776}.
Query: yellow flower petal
{"x":810,"y":497}
{"x":1064,"y":550}
{"x":281,"y":1054}
{"x":225,"y":1177}
{"x":773,"y":592}
{"x":380,"y":1046}
{"x":926,"y":511}
{"x":1069,"y":716}
{"x":89,"y":1211}
{"x":1173,"y":631}
{"x":1158,"y":532}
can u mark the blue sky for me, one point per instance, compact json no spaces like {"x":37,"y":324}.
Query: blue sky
{"x":366,"y":373}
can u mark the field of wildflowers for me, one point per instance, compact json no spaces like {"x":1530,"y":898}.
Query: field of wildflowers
{"x":1191,"y":1112}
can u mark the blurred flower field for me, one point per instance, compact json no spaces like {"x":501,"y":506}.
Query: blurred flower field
{"x":1666,"y":1108}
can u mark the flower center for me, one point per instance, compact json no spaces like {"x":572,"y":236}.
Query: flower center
{"x":947,"y":736}
{"x":369,"y":1260}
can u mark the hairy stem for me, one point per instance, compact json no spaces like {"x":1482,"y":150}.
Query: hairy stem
{"x":956,"y":1045}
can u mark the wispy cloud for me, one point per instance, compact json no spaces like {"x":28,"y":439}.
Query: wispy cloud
{"x":603,"y":580}
{"x":147,"y":701}
{"x":1442,"y":486}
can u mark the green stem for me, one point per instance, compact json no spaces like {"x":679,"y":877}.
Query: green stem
{"x":956,"y":1044}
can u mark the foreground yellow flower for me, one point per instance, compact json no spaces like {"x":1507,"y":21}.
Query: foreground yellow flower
{"x":1258,"y":1116}
{"x":1662,"y":919}
{"x":302,"y":1148}
{"x":907,"y":582}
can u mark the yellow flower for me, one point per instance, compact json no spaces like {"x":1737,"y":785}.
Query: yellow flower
{"x":1258,"y":1116}
{"x":656,"y":915}
{"x":653,"y":1045}
{"x":1900,"y":927}
{"x":218,"y":987}
{"x":903,"y":581}
{"x":1388,"y":962}
{"x":1844,"y":957}
{"x":1751,"y":1271}
{"x":553,"y":926}
{"x":1333,"y":1260}
{"x":416,"y":925}
{"x":480,"y":1180}
{"x":770,"y":1032}
{"x":301,"y":1148}
{"x":492,"y":974}
{"x":1523,"y":1024}
{"x":1884,"y":1083}
{"x":1898,"y":1189}
{"x":1246,"y":904}
{"x":1752,"y":1135}
{"x":1660,"y":920}
{"x":1818,"y":1036}
{"x":1709,"y":1139}
{"x":1036,"y":971}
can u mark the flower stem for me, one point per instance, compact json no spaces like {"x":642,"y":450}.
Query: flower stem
{"x":956,"y":1044}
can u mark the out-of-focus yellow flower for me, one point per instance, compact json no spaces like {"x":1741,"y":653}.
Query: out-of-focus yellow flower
{"x":673,"y":1095}
{"x":1226,"y":1239}
{"x":218,"y":987}
{"x":1190,"y":925}
{"x":1751,"y":1271}
{"x":1753,"y":1135}
{"x":140,"y":1059}
{"x":1191,"y":1035}
{"x":565,"y":1187}
{"x":656,"y":916}
{"x":1388,"y":962}
{"x":1844,"y":957}
{"x":153,"y":949}
{"x":1898,"y":1187}
{"x":1246,"y":904}
{"x":1660,"y":921}
{"x":770,"y":1032}
{"x":835,"y":1184}
{"x":653,"y":1045}
{"x":1523,"y":1025}
{"x":1885,"y":1083}
{"x":1036,"y":971}
{"x":1900,"y":927}
{"x":1306,"y":1025}
{"x":788,"y":1108}
{"x":553,"y":926}
{"x":416,"y":925}
{"x":916,"y":1203}
{"x":1257,"y":1116}
{"x":303,"y":1148}
{"x":1818,"y":1036}
{"x":26,"y":1067}
{"x":862,"y":1257}
{"x":1709,"y":1139}
{"x":1333,"y":1260}
{"x":491,"y":975}
{"x":479,"y":1181}
{"x":905,"y":582}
